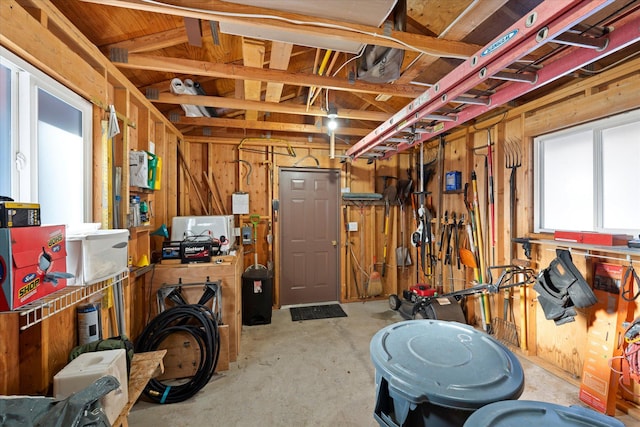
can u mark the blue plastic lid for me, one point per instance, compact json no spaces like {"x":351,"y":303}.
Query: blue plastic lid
{"x":445,"y":363}
{"x":526,"y":413}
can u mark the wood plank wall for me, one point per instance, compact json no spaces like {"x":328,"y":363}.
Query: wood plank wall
{"x":42,"y":350}
{"x":603,"y":95}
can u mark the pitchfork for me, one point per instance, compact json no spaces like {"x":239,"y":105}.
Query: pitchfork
{"x":512,"y":161}
{"x":506,"y":328}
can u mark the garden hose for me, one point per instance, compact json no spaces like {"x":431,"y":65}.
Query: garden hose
{"x":196,"y":320}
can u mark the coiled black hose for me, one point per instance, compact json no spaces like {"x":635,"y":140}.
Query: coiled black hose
{"x":196,"y":320}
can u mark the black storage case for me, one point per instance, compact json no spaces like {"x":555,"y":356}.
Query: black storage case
{"x":257,"y":296}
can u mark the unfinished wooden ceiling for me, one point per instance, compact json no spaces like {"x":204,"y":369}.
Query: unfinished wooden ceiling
{"x":282,"y":87}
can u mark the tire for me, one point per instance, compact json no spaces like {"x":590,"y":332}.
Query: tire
{"x":394,"y":302}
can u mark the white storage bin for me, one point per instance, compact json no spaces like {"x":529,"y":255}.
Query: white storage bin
{"x":82,"y":371}
{"x":96,"y":255}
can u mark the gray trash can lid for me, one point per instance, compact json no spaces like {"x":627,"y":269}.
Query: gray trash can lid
{"x":445,"y":363}
{"x":525,"y":413}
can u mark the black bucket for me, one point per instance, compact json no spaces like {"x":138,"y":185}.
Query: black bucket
{"x":257,"y":296}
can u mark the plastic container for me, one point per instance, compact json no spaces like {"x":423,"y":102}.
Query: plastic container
{"x":82,"y":371}
{"x":96,"y":255}
{"x":257,"y":296}
{"x":436,"y":373}
{"x":527,"y":413}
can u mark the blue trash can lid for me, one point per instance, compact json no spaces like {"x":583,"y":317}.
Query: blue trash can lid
{"x":445,"y":363}
{"x":525,"y":413}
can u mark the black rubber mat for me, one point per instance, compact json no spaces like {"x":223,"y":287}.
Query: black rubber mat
{"x":317,"y":312}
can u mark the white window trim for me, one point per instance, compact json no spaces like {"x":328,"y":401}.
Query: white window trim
{"x":597,"y":126}
{"x":30,"y":79}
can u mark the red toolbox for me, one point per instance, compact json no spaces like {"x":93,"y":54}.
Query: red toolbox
{"x":28,"y":257}
{"x":590,"y":238}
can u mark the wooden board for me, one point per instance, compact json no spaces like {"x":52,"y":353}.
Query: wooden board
{"x":9,"y":353}
{"x":144,"y":367}
{"x":183,"y":354}
{"x":600,"y":383}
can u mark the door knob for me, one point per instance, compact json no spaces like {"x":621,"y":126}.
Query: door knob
{"x":334,"y":243}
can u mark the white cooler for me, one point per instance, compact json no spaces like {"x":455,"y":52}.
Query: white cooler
{"x":96,"y":255}
{"x":82,"y":371}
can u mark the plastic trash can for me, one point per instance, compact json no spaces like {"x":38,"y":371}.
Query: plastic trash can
{"x":436,"y":373}
{"x":257,"y":295}
{"x":528,"y":413}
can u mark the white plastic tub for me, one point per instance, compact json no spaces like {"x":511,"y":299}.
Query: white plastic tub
{"x":82,"y":371}
{"x":96,"y":255}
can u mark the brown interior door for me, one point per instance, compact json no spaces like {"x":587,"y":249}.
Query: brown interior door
{"x":309,"y":224}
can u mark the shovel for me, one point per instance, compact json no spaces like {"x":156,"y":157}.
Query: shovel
{"x":403,"y":257}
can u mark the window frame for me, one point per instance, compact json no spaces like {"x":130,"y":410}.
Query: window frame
{"x":597,"y":127}
{"x":24,"y":129}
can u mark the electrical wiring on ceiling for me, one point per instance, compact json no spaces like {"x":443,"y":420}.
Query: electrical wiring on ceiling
{"x":300,"y":22}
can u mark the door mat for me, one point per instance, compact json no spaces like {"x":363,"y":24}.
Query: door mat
{"x":316,"y":312}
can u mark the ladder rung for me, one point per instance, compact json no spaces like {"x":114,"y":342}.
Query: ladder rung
{"x":386,"y":148}
{"x":593,"y":30}
{"x":523,"y":65}
{"x":516,"y":77}
{"x":581,"y":41}
{"x":440,"y":117}
{"x":473,"y":101}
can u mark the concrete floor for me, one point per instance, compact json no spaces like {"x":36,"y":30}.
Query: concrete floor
{"x":311,"y":373}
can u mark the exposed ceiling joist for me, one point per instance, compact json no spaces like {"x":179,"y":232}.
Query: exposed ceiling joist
{"x":252,"y":56}
{"x":238,"y":72}
{"x":269,"y":126}
{"x":285,"y":108}
{"x":229,"y":12}
{"x":475,"y":14}
{"x":279,"y":60}
{"x":155,"y":41}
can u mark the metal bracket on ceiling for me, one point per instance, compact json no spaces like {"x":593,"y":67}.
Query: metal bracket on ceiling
{"x":119,"y":54}
{"x":152,"y":93}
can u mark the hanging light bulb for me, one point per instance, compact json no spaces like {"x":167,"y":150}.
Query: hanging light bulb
{"x":332,"y":114}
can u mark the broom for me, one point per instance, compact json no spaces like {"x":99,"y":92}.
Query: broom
{"x":374,"y":287}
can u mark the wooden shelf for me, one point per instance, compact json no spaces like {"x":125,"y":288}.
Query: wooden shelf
{"x":619,"y":250}
{"x":140,"y":229}
{"x":141,"y":190}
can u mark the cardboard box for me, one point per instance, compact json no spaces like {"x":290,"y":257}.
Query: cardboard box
{"x":590,"y":238}
{"x":170,"y":250}
{"x":599,"y":383}
{"x":139,"y":169}
{"x":17,"y":214}
{"x":27,"y":255}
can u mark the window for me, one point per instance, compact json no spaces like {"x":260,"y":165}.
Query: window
{"x":588,"y":177}
{"x":45,"y":143}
